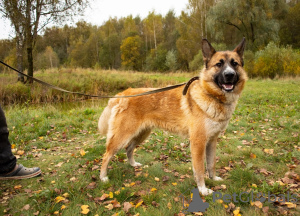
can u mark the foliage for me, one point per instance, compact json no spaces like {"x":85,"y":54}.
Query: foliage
{"x":130,"y":52}
{"x":276,"y":61}
{"x":47,"y":59}
{"x":171,"y":60}
{"x":253,"y":20}
{"x":290,"y":30}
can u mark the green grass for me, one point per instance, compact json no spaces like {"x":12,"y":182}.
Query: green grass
{"x":52,"y":135}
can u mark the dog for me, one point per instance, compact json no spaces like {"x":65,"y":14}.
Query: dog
{"x":202,"y":114}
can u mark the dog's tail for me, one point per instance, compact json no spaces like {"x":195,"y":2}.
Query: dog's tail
{"x":103,"y":121}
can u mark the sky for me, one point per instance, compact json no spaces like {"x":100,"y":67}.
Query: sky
{"x":101,"y":10}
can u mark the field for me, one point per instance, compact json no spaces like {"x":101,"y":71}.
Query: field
{"x":258,"y":153}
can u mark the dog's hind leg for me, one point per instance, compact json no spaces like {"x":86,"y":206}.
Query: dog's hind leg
{"x":133,"y":143}
{"x":119,"y":138}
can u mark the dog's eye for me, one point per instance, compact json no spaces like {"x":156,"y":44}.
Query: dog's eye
{"x":234,"y":63}
{"x":219,"y":64}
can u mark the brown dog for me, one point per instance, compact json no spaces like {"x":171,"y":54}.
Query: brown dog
{"x":201,"y":114}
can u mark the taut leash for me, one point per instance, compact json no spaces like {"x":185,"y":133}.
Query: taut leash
{"x":187,"y":84}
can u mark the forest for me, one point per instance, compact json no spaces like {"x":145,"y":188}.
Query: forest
{"x":173,"y":43}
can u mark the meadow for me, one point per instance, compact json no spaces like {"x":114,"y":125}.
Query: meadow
{"x":258,"y":153}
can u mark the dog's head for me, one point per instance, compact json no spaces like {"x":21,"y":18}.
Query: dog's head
{"x":224,"y":69}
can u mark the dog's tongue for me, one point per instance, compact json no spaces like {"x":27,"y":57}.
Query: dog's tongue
{"x":227,"y":86}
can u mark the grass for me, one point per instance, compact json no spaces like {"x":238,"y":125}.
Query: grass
{"x":260,"y":146}
{"x":89,"y":81}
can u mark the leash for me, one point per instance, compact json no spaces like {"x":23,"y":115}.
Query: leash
{"x":187,"y":84}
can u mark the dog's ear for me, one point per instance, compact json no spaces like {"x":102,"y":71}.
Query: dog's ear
{"x":207,"y":50}
{"x":240,"y":48}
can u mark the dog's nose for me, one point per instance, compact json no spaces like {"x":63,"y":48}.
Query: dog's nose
{"x":229,"y":75}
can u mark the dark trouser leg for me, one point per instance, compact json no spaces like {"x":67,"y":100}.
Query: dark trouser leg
{"x":7,"y":159}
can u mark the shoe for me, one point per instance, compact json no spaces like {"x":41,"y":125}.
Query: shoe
{"x":21,"y":172}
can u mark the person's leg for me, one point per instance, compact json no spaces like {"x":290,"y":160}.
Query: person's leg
{"x":7,"y":159}
{"x":9,"y":169}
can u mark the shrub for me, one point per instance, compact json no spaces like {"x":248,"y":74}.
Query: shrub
{"x":275,"y":61}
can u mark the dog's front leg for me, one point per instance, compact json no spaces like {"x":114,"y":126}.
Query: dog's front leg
{"x":198,"y":142}
{"x":211,"y":158}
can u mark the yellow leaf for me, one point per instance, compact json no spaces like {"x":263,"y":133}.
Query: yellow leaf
{"x":18,"y":187}
{"x":109,"y":206}
{"x":85,"y":209}
{"x":131,"y":184}
{"x":290,"y":204}
{"x":225,"y":206}
{"x":140,"y":203}
{"x":13,"y":146}
{"x":111,"y":195}
{"x":82,"y":152}
{"x":269,"y":151}
{"x":220,"y":201}
{"x":52,"y":182}
{"x":56,"y":212}
{"x":59,"y":199}
{"x":169,"y":205}
{"x":65,"y":195}
{"x":236,"y":212}
{"x":153,"y":189}
{"x":156,"y":179}
{"x":252,"y":156}
{"x":174,"y":183}
{"x":63,"y":207}
{"x":117,"y":192}
{"x":254,"y":185}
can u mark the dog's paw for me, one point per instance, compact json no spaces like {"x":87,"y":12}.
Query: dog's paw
{"x":217,"y":178}
{"x":104,"y":179}
{"x":136,"y":164}
{"x":205,"y":191}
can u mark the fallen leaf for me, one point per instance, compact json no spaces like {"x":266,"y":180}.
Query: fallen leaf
{"x":269,"y":151}
{"x":82,"y":152}
{"x":155,"y":204}
{"x":26,"y":207}
{"x":174,"y":183}
{"x":140,"y":203}
{"x":165,"y":178}
{"x":91,"y":185}
{"x":62,"y":207}
{"x":109,"y":206}
{"x":111,"y":195}
{"x":253,"y":156}
{"x":85,"y":209}
{"x":59,"y":164}
{"x":153,"y":189}
{"x":127,"y":206}
{"x":169,"y":205}
{"x":17,"y":187}
{"x":257,"y":204}
{"x":156,"y":179}
{"x":59,"y":199}
{"x":104,"y":196}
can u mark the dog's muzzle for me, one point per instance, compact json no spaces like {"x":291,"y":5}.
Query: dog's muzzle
{"x":227,"y":79}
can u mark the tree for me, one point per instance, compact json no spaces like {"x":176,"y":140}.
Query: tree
{"x":34,"y":15}
{"x":254,"y":19}
{"x":13,"y":11}
{"x":131,"y":52}
{"x":290,"y":30}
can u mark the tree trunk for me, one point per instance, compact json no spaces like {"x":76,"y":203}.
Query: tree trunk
{"x":29,"y":38}
{"x":20,"y":46}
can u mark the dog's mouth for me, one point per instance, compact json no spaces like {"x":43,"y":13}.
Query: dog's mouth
{"x":227,"y":87}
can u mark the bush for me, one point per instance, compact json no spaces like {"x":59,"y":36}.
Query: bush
{"x":171,"y":60}
{"x":275,"y":61}
{"x":197,"y":63}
